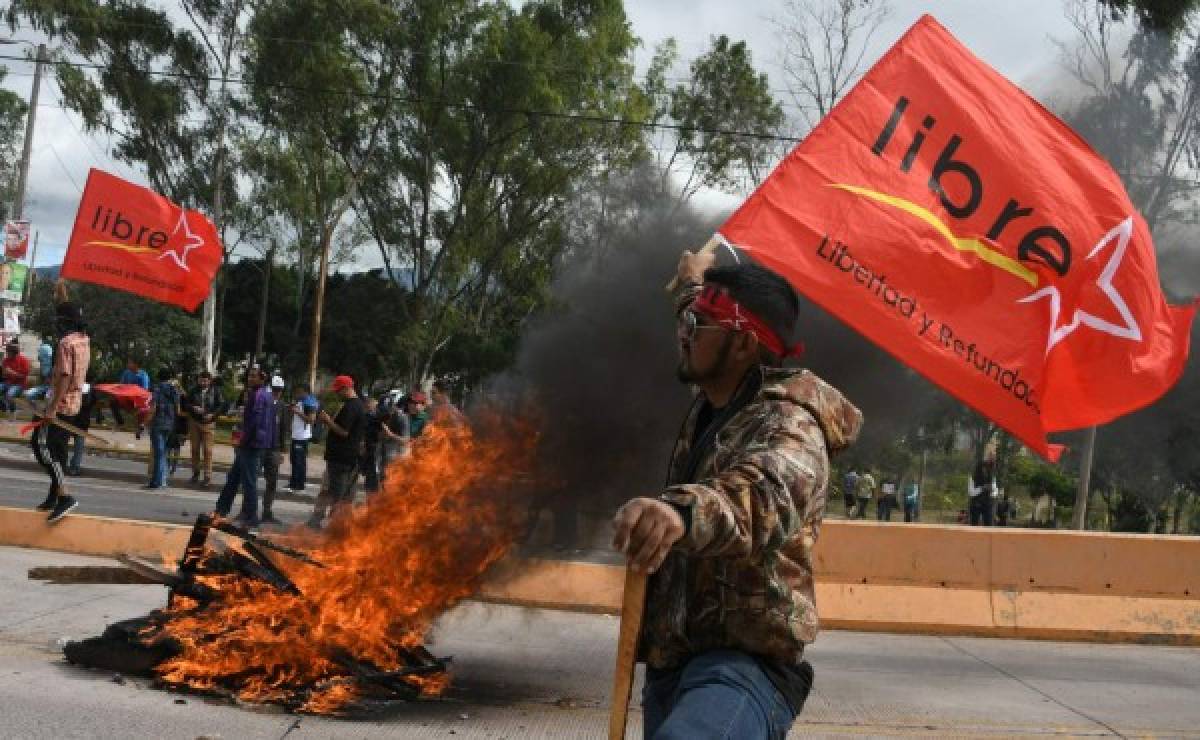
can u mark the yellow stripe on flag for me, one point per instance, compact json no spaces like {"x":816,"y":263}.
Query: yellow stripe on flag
{"x":986,"y":253}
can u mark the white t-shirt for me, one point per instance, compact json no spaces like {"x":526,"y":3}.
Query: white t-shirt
{"x":301,"y":429}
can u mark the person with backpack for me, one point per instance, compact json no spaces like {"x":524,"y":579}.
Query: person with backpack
{"x":164,"y":409}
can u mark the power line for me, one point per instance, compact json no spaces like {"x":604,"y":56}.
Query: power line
{"x":462,"y":105}
{"x":62,"y":164}
{"x":686,"y":46}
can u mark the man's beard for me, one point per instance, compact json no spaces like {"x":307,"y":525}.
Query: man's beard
{"x":691,"y":376}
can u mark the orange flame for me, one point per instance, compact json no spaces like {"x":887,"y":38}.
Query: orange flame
{"x":421,"y":545}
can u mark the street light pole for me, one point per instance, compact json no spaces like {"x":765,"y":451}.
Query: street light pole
{"x":23,"y":174}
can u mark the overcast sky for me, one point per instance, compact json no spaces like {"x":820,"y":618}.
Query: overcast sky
{"x":1013,"y":36}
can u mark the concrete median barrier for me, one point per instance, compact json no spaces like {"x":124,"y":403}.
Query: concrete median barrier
{"x":927,"y":579}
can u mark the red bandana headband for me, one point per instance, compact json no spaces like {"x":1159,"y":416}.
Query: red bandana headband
{"x":718,"y":306}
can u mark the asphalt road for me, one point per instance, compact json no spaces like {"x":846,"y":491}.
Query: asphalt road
{"x":113,"y":487}
{"x":530,"y":673}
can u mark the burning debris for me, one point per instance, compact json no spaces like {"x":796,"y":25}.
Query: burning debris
{"x":342,"y":624}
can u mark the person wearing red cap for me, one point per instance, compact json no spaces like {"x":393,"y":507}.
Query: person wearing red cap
{"x":343,"y":446}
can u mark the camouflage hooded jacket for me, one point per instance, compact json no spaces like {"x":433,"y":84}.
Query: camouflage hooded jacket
{"x":741,"y":578}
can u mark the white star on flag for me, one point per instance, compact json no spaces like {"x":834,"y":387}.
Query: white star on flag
{"x":192,"y":241}
{"x":1129,"y":330}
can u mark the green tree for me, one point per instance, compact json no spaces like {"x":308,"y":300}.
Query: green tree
{"x":723,"y":120}
{"x":123,"y":326}
{"x":1163,"y":16}
{"x":324,"y":82}
{"x":164,"y":92}
{"x":468,"y":198}
{"x":12,"y":136}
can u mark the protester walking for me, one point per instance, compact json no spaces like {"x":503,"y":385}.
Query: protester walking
{"x":303,"y":414}
{"x":274,"y":456}
{"x":343,"y":447}
{"x":257,"y":434}
{"x":70,"y":364}
{"x":164,"y":408}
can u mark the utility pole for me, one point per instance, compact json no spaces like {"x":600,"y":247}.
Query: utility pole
{"x":1079,"y":518}
{"x":208,"y":324}
{"x":268,"y":264}
{"x":314,"y":347}
{"x":29,"y":276}
{"x":23,"y":174}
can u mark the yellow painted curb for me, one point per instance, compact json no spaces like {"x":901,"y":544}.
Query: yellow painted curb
{"x":924,"y":579}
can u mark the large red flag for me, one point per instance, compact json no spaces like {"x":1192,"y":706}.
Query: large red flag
{"x":948,"y":217}
{"x":133,"y":239}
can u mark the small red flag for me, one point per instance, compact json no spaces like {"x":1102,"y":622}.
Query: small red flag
{"x":133,"y":239}
{"x":128,"y":395}
{"x":948,"y":217}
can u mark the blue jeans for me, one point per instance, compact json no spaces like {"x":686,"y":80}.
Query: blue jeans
{"x":718,"y":695}
{"x":37,"y":393}
{"x":158,"y":444}
{"x":244,"y":473}
{"x":77,"y":451}
{"x":8,"y":395}
{"x":299,"y":460}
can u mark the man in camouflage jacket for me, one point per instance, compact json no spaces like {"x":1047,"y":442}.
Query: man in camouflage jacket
{"x":729,"y":540}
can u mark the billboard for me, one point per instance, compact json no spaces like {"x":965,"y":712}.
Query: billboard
{"x":12,"y":281}
{"x":16,"y":240}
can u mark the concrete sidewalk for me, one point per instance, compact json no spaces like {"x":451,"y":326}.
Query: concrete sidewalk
{"x":126,"y":445}
{"x":525,"y":673}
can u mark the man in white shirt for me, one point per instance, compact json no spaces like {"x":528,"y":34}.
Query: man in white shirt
{"x":304,"y":413}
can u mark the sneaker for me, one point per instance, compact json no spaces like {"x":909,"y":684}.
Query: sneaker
{"x":194,"y":479}
{"x":269,"y":518}
{"x":64,"y":505}
{"x":151,"y":487}
{"x":206,"y":482}
{"x":48,"y":504}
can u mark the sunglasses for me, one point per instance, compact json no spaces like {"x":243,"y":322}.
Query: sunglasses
{"x":688,"y":323}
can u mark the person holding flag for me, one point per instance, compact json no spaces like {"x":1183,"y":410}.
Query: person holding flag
{"x":49,"y":440}
{"x":738,"y":518}
{"x":942,"y":213}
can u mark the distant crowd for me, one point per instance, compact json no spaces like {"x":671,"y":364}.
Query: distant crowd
{"x":271,"y":421}
{"x":882,"y":494}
